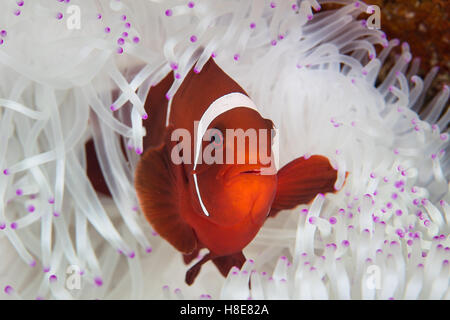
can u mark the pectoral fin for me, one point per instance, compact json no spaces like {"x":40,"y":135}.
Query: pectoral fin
{"x":159,"y":183}
{"x":301,"y":180}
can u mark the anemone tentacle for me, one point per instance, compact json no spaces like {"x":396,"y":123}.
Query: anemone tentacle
{"x":314,"y":73}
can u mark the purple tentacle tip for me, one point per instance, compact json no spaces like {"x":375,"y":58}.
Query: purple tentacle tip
{"x":98,"y":281}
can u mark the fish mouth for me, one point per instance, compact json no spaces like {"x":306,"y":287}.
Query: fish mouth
{"x":253,"y":171}
{"x":234,"y":171}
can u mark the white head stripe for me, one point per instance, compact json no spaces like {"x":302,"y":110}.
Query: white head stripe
{"x":219,"y":106}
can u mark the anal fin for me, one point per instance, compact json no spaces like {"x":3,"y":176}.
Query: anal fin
{"x":225,"y":263}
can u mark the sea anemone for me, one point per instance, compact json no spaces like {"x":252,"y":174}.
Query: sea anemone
{"x":72,"y":71}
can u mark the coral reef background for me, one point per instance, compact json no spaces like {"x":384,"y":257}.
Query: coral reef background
{"x":425,"y":25}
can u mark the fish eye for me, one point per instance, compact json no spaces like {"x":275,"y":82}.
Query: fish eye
{"x":216,"y":137}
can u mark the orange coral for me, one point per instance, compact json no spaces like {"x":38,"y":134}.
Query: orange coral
{"x":425,"y":26}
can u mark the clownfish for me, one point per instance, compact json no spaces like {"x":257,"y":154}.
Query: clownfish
{"x":219,"y":205}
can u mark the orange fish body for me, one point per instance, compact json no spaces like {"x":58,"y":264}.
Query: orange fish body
{"x":213,"y":205}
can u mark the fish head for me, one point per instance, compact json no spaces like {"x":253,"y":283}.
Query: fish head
{"x":236,"y":179}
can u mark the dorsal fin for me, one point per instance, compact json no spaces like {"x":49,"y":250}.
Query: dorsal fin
{"x":198,"y":91}
{"x":156,"y":109}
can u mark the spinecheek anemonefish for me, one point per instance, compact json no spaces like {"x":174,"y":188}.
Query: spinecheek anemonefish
{"x":218,"y":206}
